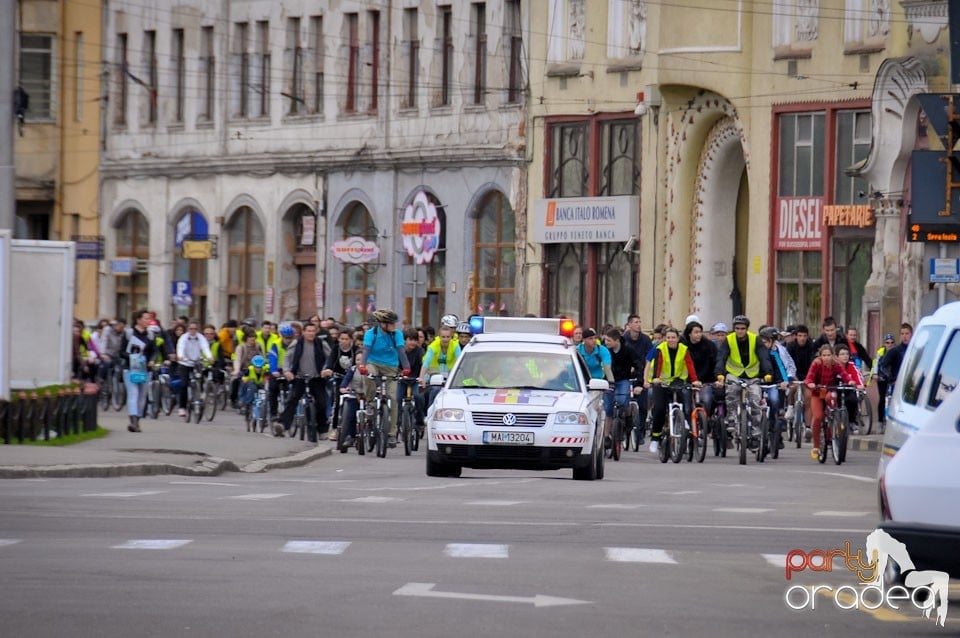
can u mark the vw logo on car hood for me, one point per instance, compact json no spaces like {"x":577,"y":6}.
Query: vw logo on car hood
{"x":509,"y":418}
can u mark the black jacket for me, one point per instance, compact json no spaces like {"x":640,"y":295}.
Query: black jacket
{"x":889,"y":366}
{"x":704,"y":355}
{"x":339,"y":361}
{"x":803,"y":356}
{"x":319,"y":355}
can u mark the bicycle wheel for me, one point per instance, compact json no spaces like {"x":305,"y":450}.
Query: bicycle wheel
{"x":824,"y":440}
{"x":310,"y":421}
{"x":103,"y":396}
{"x":839,"y":433}
{"x":118,"y":390}
{"x":362,"y":427}
{"x":700,"y":418}
{"x":198,"y":403}
{"x":210,"y":399}
{"x":761,"y":452}
{"x":296,"y":426}
{"x":633,"y":417}
{"x":223,"y":396}
{"x":798,"y":425}
{"x":417,"y":434}
{"x":616,"y":436}
{"x":865,"y":414}
{"x":678,"y":431}
{"x":166,"y":398}
{"x":743,"y":433}
{"x":776,"y":437}
{"x":382,"y":429}
{"x":153,"y":399}
{"x":406,"y":430}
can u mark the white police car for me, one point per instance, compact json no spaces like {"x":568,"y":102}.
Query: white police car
{"x":519,"y":397}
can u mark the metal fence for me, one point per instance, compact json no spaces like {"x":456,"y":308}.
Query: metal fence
{"x":36,"y":416}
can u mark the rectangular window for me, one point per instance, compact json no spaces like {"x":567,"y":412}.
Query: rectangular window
{"x":854,"y":130}
{"x":240,"y":59}
{"x":479,"y":27}
{"x":446,"y":54}
{"x":374,"y":41}
{"x":120,"y":73}
{"x":294,"y":65}
{"x":802,"y":154}
{"x":353,"y":61}
{"x":619,"y":159}
{"x":36,"y":74}
{"x":179,"y":71}
{"x":150,"y":62}
{"x":799,"y":293}
{"x":263,"y":52}
{"x":78,"y":77}
{"x":514,"y":36}
{"x":315,"y":97}
{"x":569,"y":168}
{"x":411,"y":51}
{"x":208,"y":65}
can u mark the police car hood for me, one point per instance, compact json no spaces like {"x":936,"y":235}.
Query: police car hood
{"x":510,"y":400}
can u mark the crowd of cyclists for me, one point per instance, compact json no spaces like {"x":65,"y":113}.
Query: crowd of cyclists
{"x":328,"y":359}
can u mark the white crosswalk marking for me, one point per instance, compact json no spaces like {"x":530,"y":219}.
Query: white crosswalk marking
{"x":493,"y":503}
{"x":123,"y":494}
{"x":330,"y":548}
{"x":777,"y":560}
{"x":370,"y":499}
{"x":840,"y":514}
{"x":152,"y":544}
{"x":475,"y":550}
{"x":257,"y":497}
{"x":742,"y":510}
{"x":8,"y":541}
{"x":613,"y":506}
{"x":638,"y":555}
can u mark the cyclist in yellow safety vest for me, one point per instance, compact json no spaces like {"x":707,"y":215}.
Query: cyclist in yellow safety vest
{"x":252,"y":381}
{"x":671,"y":363}
{"x":742,"y":355}
{"x":439,"y":358}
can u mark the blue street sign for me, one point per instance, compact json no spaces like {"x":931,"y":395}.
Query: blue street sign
{"x":181,"y":288}
{"x":944,"y":271}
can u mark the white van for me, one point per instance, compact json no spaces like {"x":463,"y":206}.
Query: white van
{"x":929,"y":373}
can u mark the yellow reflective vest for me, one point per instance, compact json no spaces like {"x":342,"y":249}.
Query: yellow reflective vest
{"x":735,"y":365}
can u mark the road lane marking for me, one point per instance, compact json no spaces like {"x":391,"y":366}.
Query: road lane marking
{"x":503,"y":503}
{"x":256,"y":497}
{"x":683,"y":493}
{"x":329,"y":548}
{"x":123,"y":494}
{"x":613,"y":506}
{"x":777,"y":560}
{"x":152,"y":544}
{"x":475,"y":550}
{"x":840,"y":514}
{"x":370,"y":499}
{"x":742,"y":510}
{"x":426,"y":590}
{"x":5,"y":542}
{"x":638,"y":555}
{"x":204,"y":483}
{"x":854,"y":477}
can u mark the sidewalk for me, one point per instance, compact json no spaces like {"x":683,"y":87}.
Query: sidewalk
{"x":165,"y":446}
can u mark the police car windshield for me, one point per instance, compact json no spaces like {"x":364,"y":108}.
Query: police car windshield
{"x":533,"y":371}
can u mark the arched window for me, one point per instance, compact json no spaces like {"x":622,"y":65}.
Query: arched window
{"x":358,"y":296}
{"x":191,"y":226}
{"x":133,"y":242}
{"x":245,"y":268}
{"x":424,"y":301}
{"x":494,"y":260}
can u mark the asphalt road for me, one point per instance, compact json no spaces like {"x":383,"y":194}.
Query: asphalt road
{"x":360,"y":546}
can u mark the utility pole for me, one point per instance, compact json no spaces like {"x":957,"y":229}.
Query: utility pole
{"x":8,"y":34}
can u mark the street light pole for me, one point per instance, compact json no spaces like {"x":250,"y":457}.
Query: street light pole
{"x":8,"y":34}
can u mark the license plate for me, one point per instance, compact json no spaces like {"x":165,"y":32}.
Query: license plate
{"x":509,"y":438}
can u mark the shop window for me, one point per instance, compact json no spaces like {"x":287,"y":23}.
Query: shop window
{"x":851,"y":261}
{"x":495,"y":261}
{"x":133,"y":242}
{"x":854,"y":133}
{"x":191,"y":225}
{"x":799,"y":289}
{"x":245,"y":268}
{"x":359,"y":297}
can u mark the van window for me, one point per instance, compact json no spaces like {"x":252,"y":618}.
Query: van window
{"x":948,"y":376}
{"x":918,"y":363}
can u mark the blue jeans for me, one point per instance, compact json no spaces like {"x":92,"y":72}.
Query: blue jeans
{"x":773,"y":402}
{"x":620,"y":392}
{"x":136,"y":396}
{"x":248,"y":392}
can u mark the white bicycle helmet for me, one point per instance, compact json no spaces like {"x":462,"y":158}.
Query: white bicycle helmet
{"x":449,"y":321}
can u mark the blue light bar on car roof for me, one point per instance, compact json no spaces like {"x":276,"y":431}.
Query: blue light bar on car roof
{"x":528,"y":325}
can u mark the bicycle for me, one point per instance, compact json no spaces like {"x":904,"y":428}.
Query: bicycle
{"x":697,"y":448}
{"x":408,"y":418}
{"x":717,"y":423}
{"x":115,"y":386}
{"x":159,"y":394}
{"x":304,"y":420}
{"x":341,"y":412}
{"x":381,"y":412}
{"x":864,"y":413}
{"x":673,"y":445}
{"x":769,"y":428}
{"x":835,"y":430}
{"x":195,"y":396}
{"x":257,"y":414}
{"x":742,"y":434}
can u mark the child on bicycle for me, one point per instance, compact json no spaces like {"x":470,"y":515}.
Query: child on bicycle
{"x":824,"y":371}
{"x":253,"y":380}
{"x":853,"y":377}
{"x":351,"y":387}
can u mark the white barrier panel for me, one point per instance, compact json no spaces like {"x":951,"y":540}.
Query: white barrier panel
{"x":5,"y":239}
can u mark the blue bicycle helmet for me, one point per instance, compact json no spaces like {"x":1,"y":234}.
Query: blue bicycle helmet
{"x":286,"y":330}
{"x":257,"y":361}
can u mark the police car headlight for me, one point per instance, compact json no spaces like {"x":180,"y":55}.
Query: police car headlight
{"x":448,"y":414}
{"x":570,"y":418}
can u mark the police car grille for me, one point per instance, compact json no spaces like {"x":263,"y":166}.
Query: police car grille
{"x":495,"y":419}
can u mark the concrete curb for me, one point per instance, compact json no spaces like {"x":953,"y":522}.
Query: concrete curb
{"x":859,"y":444}
{"x":209,"y":466}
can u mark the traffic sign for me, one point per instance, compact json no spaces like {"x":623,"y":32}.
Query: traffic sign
{"x":181,"y":293}
{"x":945,"y":271}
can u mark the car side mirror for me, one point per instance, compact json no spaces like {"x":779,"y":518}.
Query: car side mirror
{"x":598,"y":385}
{"x":436,"y":380}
